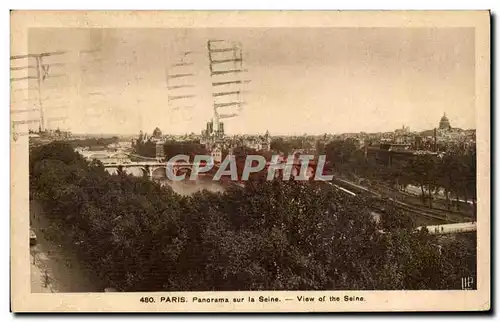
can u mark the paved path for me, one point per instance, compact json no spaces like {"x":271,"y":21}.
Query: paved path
{"x":38,"y":279}
{"x":64,"y":270}
{"x":451,"y":228}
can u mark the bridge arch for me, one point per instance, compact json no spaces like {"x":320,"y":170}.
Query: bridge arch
{"x":112,"y":171}
{"x":136,"y":171}
{"x":154,"y":170}
{"x":98,"y":155}
{"x":120,"y":157}
{"x":159,"y":172}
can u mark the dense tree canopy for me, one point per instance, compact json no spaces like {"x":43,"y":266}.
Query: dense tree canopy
{"x":454,"y":172}
{"x":93,"y":142}
{"x":288,"y":146}
{"x":271,"y":235}
{"x":170,"y":148}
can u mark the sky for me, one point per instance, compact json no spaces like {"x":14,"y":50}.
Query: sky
{"x":303,"y":80}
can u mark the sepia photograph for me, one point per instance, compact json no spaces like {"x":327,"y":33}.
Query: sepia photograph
{"x":250,"y":161}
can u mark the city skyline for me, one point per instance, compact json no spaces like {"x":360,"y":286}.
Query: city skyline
{"x":305,"y":80}
{"x":292,"y":134}
{"x":308,"y":157}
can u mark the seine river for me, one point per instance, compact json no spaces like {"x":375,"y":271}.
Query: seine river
{"x":181,"y":187}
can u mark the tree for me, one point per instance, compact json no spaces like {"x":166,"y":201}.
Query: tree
{"x":190,"y":148}
{"x":423,"y":171}
{"x":271,"y":235}
{"x":146,"y":149}
{"x":449,"y":172}
{"x":469,"y":177}
{"x":281,"y":146}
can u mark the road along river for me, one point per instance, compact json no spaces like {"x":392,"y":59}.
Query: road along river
{"x":54,"y":268}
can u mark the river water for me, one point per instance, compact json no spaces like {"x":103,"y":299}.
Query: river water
{"x":186,"y":188}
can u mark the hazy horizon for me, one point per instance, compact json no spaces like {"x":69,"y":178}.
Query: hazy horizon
{"x":303,"y":80}
{"x":97,"y":134}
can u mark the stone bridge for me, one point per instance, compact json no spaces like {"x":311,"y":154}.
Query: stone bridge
{"x":156,"y":169}
{"x":151,"y":169}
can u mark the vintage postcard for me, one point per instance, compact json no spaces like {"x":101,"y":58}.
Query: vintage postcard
{"x":232,"y":161}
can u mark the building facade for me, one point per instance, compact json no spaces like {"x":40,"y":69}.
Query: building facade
{"x":444,"y":123}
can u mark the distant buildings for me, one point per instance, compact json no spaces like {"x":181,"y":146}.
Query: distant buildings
{"x":216,"y":141}
{"x":444,"y":123}
{"x":403,"y":136}
{"x":257,"y":142}
{"x":449,"y":138}
{"x":51,"y":134}
{"x":213,"y":136}
{"x":404,"y":144}
{"x":213,"y":139}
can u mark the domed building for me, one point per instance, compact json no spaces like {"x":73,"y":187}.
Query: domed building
{"x":157,"y":133}
{"x":444,"y":124}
